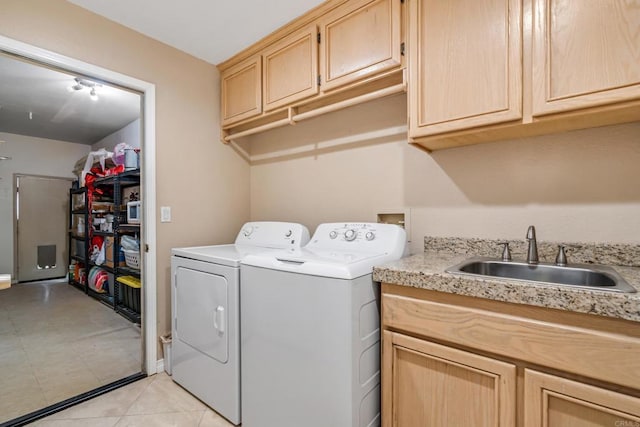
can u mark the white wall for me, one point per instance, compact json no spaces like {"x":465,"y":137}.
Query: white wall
{"x":581,"y":186}
{"x":129,"y":134}
{"x":34,"y":156}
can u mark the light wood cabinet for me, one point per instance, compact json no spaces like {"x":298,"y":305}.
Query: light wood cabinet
{"x":552,"y":401}
{"x":291,"y":69}
{"x":457,"y":360}
{"x":241,"y":91}
{"x":340,"y":54}
{"x":359,"y":39}
{"x":465,"y":66}
{"x":585,"y":54}
{"x":434,"y":385}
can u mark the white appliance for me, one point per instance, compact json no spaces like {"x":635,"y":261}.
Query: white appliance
{"x":311,"y":329}
{"x":205,"y":353}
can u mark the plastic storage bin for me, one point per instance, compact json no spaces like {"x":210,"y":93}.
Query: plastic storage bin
{"x":130,"y":292}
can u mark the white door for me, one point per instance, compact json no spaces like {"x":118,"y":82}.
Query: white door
{"x":202,"y":312}
{"x":41,"y":227}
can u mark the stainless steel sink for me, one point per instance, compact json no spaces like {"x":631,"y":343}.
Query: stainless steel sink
{"x":578,"y":275}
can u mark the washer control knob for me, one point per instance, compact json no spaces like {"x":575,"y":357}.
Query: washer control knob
{"x":350,"y":235}
{"x":288,"y":233}
{"x":370,"y":235}
{"x":247,"y":231}
{"x":333,"y":234}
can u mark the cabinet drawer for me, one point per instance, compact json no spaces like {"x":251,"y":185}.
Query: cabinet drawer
{"x":595,"y":354}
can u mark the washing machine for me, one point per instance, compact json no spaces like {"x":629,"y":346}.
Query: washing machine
{"x":205,"y":310}
{"x":311,"y":329}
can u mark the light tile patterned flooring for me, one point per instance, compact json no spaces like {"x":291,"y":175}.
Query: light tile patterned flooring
{"x":150,"y":402}
{"x":56,"y":342}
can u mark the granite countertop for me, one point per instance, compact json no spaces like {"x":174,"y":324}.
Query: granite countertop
{"x":427,"y":271}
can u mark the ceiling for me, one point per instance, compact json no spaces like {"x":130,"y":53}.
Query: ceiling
{"x":36,"y":100}
{"x":212,"y":30}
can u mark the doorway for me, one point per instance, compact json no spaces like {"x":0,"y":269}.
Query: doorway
{"x":42,"y":206}
{"x":72,"y":66}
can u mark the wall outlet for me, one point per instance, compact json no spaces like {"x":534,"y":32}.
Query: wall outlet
{"x":165,"y":214}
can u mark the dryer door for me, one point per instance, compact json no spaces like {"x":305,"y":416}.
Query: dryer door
{"x":202,"y":312}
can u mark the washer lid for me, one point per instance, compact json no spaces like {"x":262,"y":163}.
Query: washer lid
{"x":229,"y":255}
{"x":335,"y":264}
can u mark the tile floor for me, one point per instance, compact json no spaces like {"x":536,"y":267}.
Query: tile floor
{"x":56,"y":342}
{"x":152,"y":401}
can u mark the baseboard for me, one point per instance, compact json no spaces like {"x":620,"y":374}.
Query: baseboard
{"x":160,"y":366}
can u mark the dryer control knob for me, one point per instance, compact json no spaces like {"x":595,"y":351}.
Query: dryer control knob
{"x":333,"y":234}
{"x":370,"y":235}
{"x":288,"y":233}
{"x":247,"y":231}
{"x":350,"y":235}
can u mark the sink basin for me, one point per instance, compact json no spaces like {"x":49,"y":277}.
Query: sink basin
{"x":583,"y":276}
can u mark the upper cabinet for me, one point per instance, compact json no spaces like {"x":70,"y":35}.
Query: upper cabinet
{"x":465,"y":64}
{"x":358,"y":40}
{"x":291,"y":69}
{"x":477,"y":70}
{"x":241,"y":91}
{"x":585,"y":54}
{"x":337,"y":55}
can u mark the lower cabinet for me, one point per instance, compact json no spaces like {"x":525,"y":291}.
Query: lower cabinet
{"x":459,"y":361}
{"x":553,"y":401}
{"x":434,"y":385}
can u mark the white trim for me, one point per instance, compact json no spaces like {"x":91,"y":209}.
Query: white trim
{"x":149,"y":174}
{"x":160,"y":365}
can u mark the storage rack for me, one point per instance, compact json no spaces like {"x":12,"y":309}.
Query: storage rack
{"x":83,"y":257}
{"x":117,"y":183}
{"x":120,"y":227}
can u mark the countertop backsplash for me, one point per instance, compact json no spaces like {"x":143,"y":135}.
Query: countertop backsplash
{"x":616,"y":254}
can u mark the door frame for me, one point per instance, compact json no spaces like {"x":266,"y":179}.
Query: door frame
{"x":16,"y":177}
{"x":148,"y":91}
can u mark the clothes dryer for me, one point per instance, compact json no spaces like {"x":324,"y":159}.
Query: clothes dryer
{"x":205,"y":310}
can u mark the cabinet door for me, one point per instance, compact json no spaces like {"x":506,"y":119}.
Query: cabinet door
{"x":291,"y":69}
{"x":585,"y":53}
{"x":465,"y":66}
{"x":427,"y":384}
{"x":552,"y":401}
{"x":241,"y":91}
{"x":359,"y":39}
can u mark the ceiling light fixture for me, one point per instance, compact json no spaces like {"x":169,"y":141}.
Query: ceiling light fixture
{"x":84,"y":83}
{"x":5,"y":158}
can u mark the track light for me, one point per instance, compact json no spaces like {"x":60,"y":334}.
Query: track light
{"x":83,"y":83}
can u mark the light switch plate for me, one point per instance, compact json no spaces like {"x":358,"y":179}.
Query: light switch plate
{"x":165,"y":214}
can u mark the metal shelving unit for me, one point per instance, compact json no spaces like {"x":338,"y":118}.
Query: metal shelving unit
{"x":116,"y":183}
{"x":120,"y":228}
{"x":75,"y":237}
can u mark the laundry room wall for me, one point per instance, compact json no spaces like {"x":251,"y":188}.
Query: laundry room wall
{"x":577,"y":186}
{"x":129,"y":134}
{"x":204,"y":181}
{"x":32,"y":156}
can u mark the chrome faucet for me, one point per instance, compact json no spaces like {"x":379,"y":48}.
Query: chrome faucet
{"x":532,"y":253}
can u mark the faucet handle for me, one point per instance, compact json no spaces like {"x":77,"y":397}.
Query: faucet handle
{"x":561,"y":258}
{"x":506,"y":253}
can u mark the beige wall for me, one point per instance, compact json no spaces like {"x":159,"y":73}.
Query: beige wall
{"x":30,"y":156}
{"x":205,"y":182}
{"x":578,"y":186}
